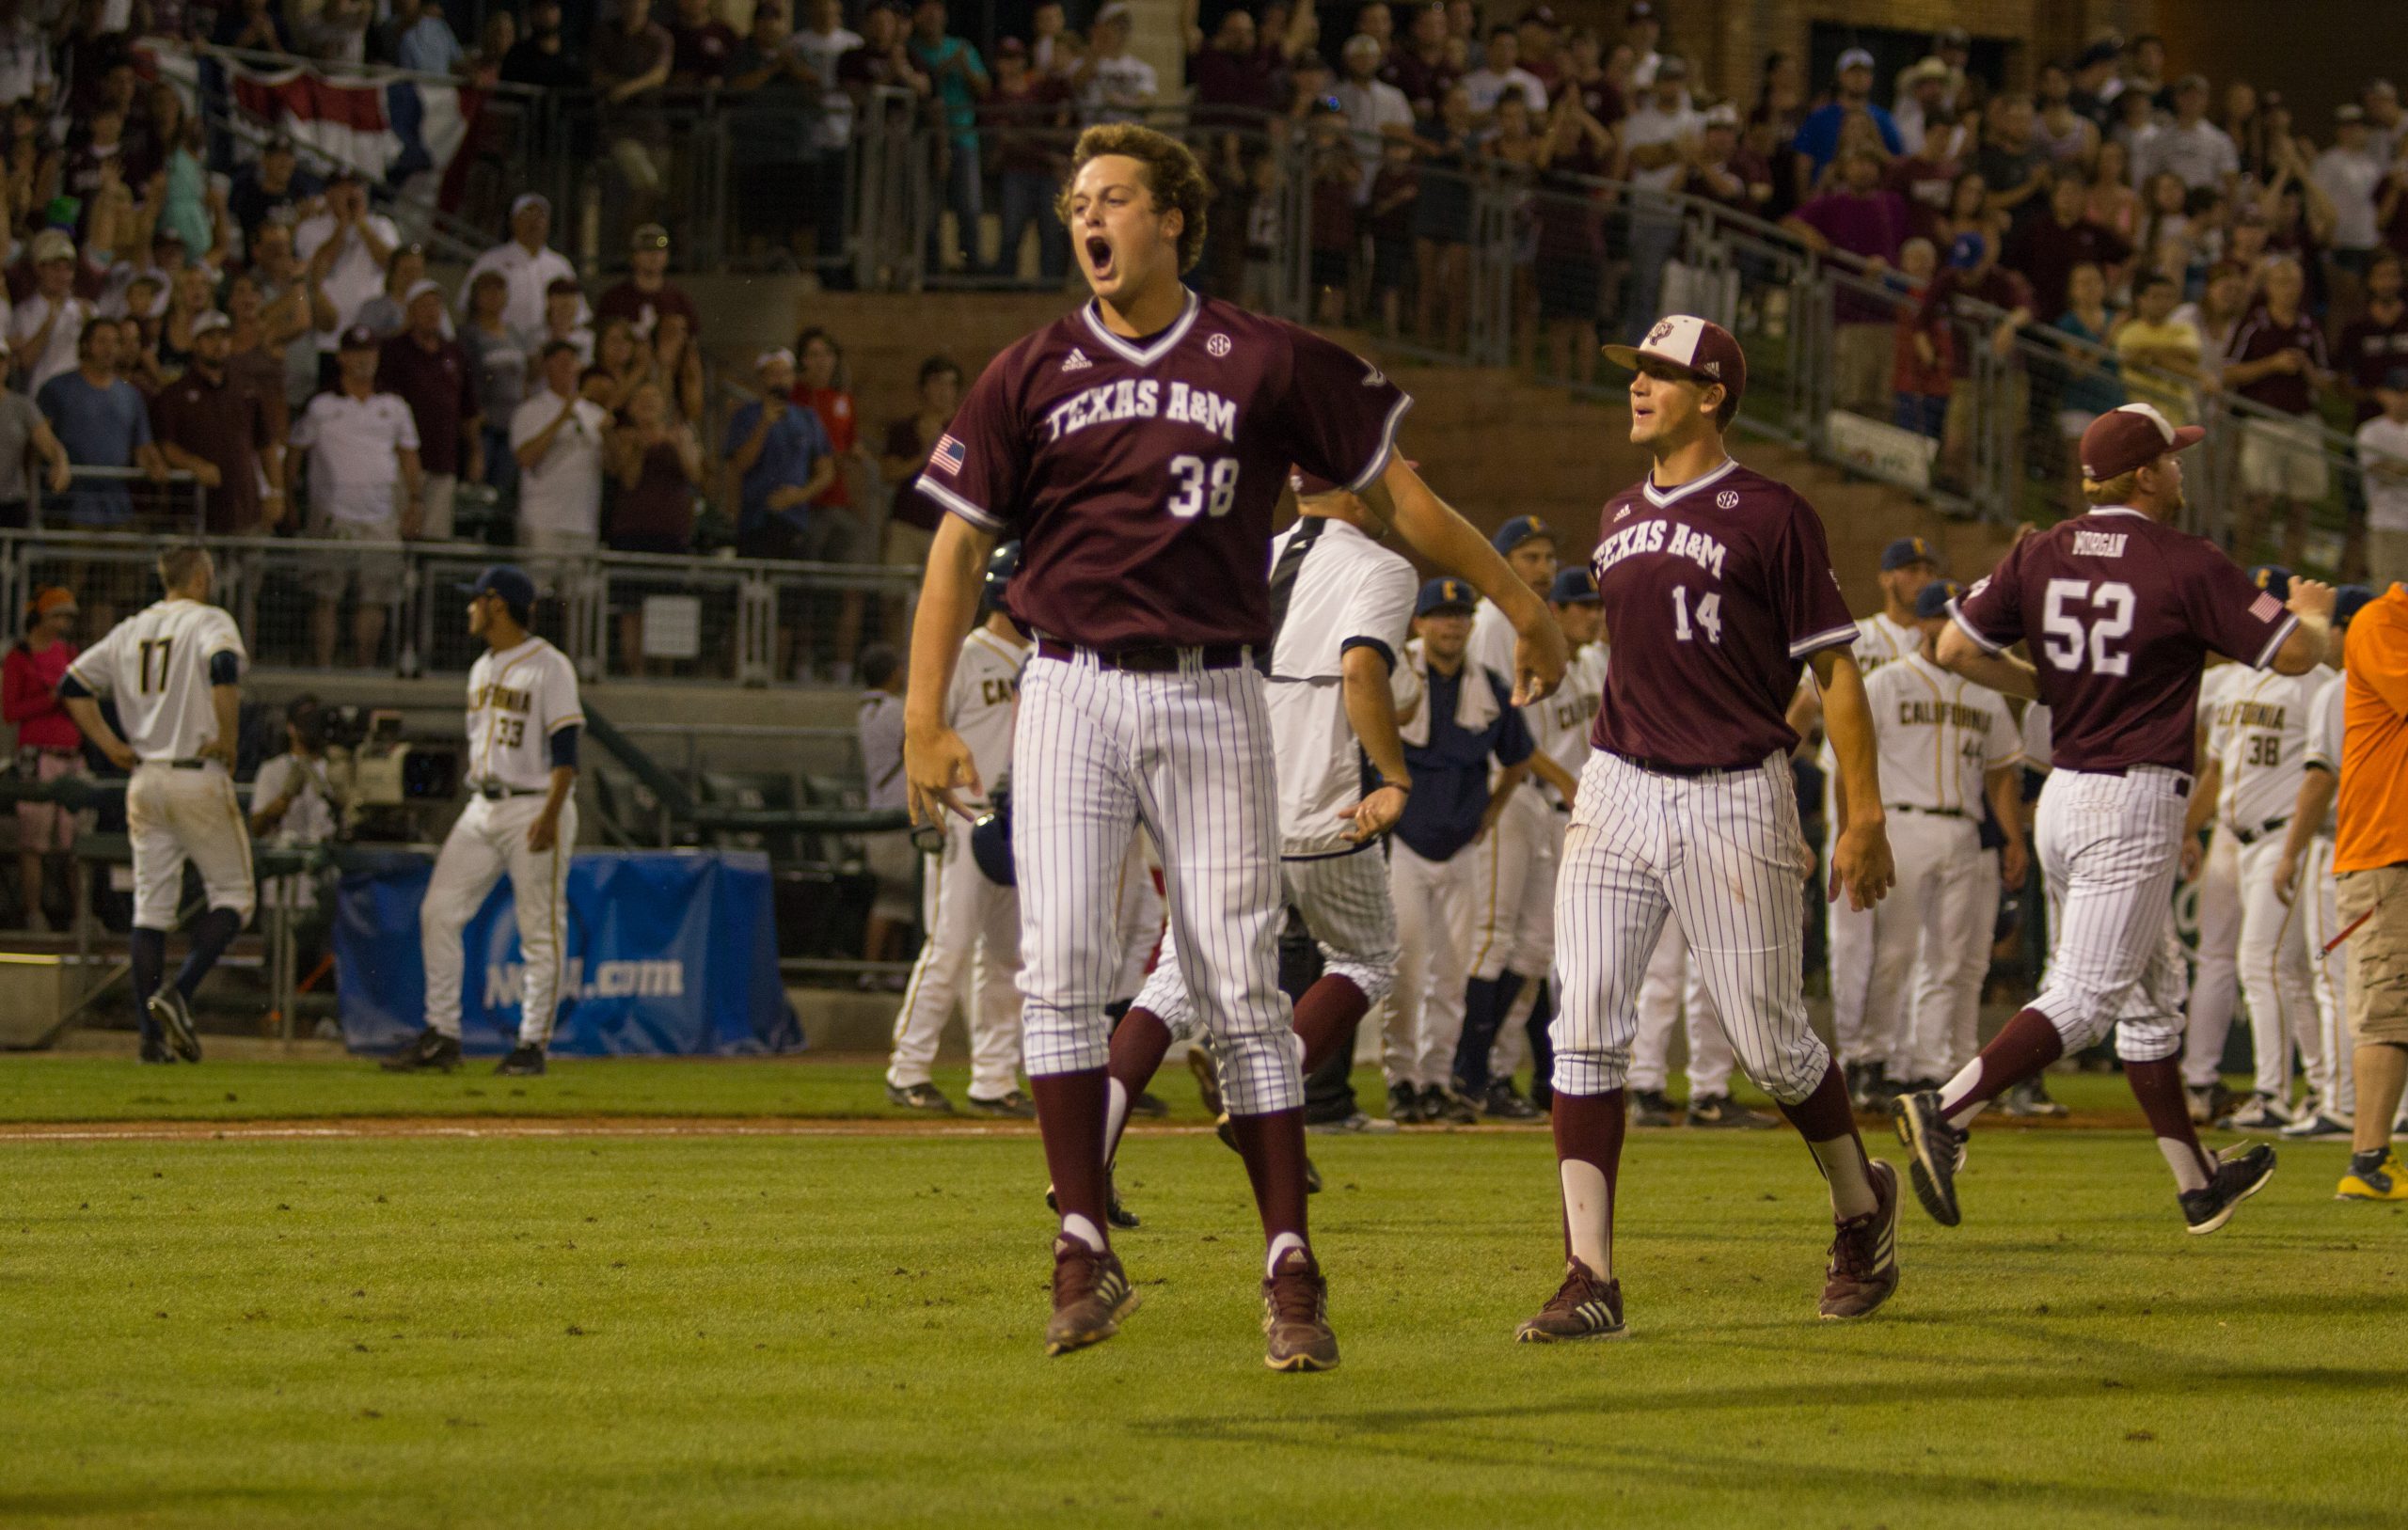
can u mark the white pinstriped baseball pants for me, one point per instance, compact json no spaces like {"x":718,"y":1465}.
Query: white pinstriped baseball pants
{"x":1344,"y":901}
{"x":1724,"y":855}
{"x":2215,"y":976}
{"x":1096,"y":753}
{"x":2319,"y":902}
{"x":1673,"y":993}
{"x":1426,"y":1018}
{"x":1931,"y":946}
{"x":1511,"y":909}
{"x":2275,"y":977}
{"x":2110,"y":852}
{"x":974,"y":934}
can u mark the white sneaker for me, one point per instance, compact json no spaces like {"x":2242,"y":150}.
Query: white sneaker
{"x":2318,"y":1127}
{"x":2263,"y":1114}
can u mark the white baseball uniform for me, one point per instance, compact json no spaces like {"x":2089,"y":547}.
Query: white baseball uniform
{"x":178,"y":807}
{"x":1347,"y":592}
{"x":973,"y":924}
{"x":2215,"y":970}
{"x":1879,"y":641}
{"x":1509,"y":922}
{"x":2317,"y":900}
{"x":1674,"y":990}
{"x":1939,"y":737}
{"x":518,"y":699}
{"x":2263,"y":753}
{"x":1560,"y":728}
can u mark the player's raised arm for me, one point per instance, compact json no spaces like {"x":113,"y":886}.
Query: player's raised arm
{"x":2002,"y":672}
{"x":1861,"y":857}
{"x":935,"y":759}
{"x":2310,"y":643}
{"x":1432,"y":527}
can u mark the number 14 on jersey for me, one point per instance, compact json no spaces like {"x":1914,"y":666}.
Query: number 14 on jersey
{"x":1710,"y":615}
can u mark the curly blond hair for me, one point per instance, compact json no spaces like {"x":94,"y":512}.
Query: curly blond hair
{"x":1172,"y":174}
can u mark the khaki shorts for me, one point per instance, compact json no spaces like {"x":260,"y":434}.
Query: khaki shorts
{"x":2283,"y":459}
{"x":2378,"y":952}
{"x":376,"y":568}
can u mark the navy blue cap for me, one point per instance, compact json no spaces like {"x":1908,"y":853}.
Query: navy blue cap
{"x":1574,"y":586}
{"x":1933,"y":601}
{"x":1520,"y":529}
{"x":510,"y":582}
{"x":1908,"y":551}
{"x":2272,"y":579}
{"x":2349,"y":601}
{"x":1445,"y":595}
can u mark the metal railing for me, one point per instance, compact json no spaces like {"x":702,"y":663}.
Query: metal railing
{"x":619,"y":616}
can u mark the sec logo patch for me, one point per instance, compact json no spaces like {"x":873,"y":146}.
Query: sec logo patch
{"x":1218,"y":345}
{"x":1727,"y":499}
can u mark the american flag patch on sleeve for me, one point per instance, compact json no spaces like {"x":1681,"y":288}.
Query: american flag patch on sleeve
{"x":947,"y":455}
{"x":2266,"y":609}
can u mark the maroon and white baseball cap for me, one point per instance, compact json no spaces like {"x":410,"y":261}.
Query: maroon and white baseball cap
{"x":2131,"y":436}
{"x":1699,"y":346}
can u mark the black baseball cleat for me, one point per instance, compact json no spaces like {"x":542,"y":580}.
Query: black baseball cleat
{"x":1148,"y":1105}
{"x":1868,"y":1086}
{"x":1404,"y":1105}
{"x":526,"y":1061}
{"x":1939,"y":1151}
{"x":1441,"y":1106}
{"x":919,"y":1097}
{"x":155,"y":1051}
{"x":432,"y":1052}
{"x":1583,"y":1307}
{"x":1295,"y":1317}
{"x":1091,"y":1295}
{"x":2241,"y":1173}
{"x":1010,"y":1106}
{"x":1650,"y":1108}
{"x":1863,"y":1270}
{"x":1501,"y":1101}
{"x":1114,"y":1212}
{"x":1721,"y":1112}
{"x":174,"y":1015}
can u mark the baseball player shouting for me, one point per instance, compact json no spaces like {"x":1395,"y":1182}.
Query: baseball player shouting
{"x":520,"y":823}
{"x":176,"y":671}
{"x":1137,"y":447}
{"x":1340,"y":606}
{"x":1463,"y":719}
{"x":967,"y":915}
{"x":1946,"y":743}
{"x":1908,"y":568}
{"x":2253,"y":777}
{"x":2120,"y":608}
{"x":1718,"y":585}
{"x":2307,"y":846}
{"x":1510,"y":913}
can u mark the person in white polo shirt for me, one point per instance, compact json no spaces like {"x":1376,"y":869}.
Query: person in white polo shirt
{"x":528,"y":266}
{"x":558,"y":436}
{"x":344,"y":251}
{"x":364,"y":483}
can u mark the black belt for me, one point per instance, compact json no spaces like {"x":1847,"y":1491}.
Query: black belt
{"x":1928,"y":813}
{"x":1149,"y":658}
{"x":1665,"y":768}
{"x":494,"y":792}
{"x":190,"y":764}
{"x":2251,"y":836}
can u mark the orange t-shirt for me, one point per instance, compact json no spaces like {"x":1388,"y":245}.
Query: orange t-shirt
{"x":2374,"y":738}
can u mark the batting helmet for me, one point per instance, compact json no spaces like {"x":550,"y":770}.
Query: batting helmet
{"x":990,"y":839}
{"x":1001,"y":566}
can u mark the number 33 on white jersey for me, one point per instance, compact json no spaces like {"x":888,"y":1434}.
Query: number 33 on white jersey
{"x":517,"y":699}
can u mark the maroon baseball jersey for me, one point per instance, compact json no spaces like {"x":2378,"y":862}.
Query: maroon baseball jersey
{"x":2120,"y":612}
{"x":1715,"y":594}
{"x":1140,"y":475}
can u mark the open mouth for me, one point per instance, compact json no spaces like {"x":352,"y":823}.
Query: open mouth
{"x":1100,"y":255}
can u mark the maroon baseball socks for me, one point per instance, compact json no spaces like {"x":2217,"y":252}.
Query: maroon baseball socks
{"x":2158,"y":1086}
{"x":1827,"y":1123}
{"x":1326,"y":1014}
{"x":1139,"y":1043}
{"x":1272,"y":1146}
{"x":1588,"y":1156}
{"x":2025,"y":1046}
{"x":1070,"y":1110}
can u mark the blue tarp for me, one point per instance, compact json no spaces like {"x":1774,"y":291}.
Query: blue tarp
{"x":669,"y":954}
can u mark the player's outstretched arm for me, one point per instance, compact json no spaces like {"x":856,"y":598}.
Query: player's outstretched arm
{"x":1432,"y":527}
{"x":1861,"y":855}
{"x":86,"y":710}
{"x":935,"y":759}
{"x":1371,"y":710}
{"x":2002,"y":673}
{"x":2317,"y":789}
{"x":2310,"y":642}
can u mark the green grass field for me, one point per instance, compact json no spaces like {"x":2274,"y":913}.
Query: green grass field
{"x":702,"y":1330}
